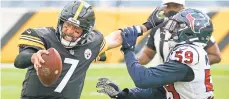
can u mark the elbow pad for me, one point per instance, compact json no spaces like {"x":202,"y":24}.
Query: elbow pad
{"x":23,"y":60}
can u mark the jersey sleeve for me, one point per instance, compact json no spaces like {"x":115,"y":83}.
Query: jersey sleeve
{"x":156,"y":76}
{"x":102,"y":54}
{"x":103,"y":47}
{"x":185,"y":54}
{"x":149,"y":93}
{"x":210,"y":43}
{"x":29,"y":38}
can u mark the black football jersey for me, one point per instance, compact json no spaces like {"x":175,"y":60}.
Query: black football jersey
{"x":75,"y":63}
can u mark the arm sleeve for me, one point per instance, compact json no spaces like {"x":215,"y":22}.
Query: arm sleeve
{"x":23,"y":60}
{"x":150,"y":93}
{"x":169,"y":72}
{"x":103,"y":44}
{"x":103,"y":47}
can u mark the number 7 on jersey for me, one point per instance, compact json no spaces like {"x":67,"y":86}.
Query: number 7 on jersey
{"x":68,"y":75}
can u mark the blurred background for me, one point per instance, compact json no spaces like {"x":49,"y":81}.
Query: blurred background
{"x":16,"y":16}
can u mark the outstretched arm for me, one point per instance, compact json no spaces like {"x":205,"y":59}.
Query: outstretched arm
{"x":115,"y":40}
{"x":213,"y":51}
{"x":150,"y":93}
{"x":108,"y":87}
{"x":160,"y":75}
{"x":145,"y":55}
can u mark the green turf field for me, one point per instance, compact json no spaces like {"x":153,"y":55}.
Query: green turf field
{"x":11,"y":80}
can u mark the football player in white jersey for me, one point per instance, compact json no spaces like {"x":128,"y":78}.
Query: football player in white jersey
{"x":185,"y":74}
{"x":158,"y":40}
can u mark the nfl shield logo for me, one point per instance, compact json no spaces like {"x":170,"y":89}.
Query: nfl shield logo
{"x":72,"y":52}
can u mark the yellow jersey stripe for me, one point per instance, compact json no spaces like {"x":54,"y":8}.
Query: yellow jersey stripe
{"x":31,"y":39}
{"x":30,"y":43}
{"x":29,"y":36}
{"x":79,"y":10}
{"x":103,"y":47}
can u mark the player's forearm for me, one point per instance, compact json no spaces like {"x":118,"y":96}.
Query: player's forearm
{"x":23,"y":60}
{"x":147,"y":26}
{"x":115,"y":39}
{"x":214,"y":54}
{"x":141,"y":76}
{"x":214,"y":58}
{"x":143,"y":58}
{"x":144,"y":28}
{"x":145,"y":55}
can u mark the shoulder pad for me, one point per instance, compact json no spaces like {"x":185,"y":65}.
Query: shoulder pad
{"x":31,"y":37}
{"x":98,"y":35}
{"x":96,"y":32}
{"x":44,"y":30}
{"x":185,"y":54}
{"x":30,"y":32}
{"x":38,"y":32}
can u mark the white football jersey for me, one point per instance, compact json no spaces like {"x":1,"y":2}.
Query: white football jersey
{"x":163,"y":45}
{"x":199,"y":88}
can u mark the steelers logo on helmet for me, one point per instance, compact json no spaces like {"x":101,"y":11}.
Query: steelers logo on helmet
{"x":75,"y":22}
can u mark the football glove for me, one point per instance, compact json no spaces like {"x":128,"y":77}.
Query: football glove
{"x":155,"y":18}
{"x":108,"y":87}
{"x":129,"y":36}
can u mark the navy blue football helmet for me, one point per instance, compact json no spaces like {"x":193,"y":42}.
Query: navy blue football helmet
{"x":190,"y":25}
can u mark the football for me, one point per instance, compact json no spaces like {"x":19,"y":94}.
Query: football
{"x":51,"y":69}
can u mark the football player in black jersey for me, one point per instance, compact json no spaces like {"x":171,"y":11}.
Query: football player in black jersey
{"x":78,"y":44}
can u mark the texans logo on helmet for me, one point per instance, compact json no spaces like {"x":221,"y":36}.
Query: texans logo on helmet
{"x":197,"y":22}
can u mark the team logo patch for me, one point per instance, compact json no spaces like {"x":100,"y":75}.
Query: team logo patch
{"x":29,"y":31}
{"x":197,"y":24}
{"x":72,"y":52}
{"x":87,"y":53}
